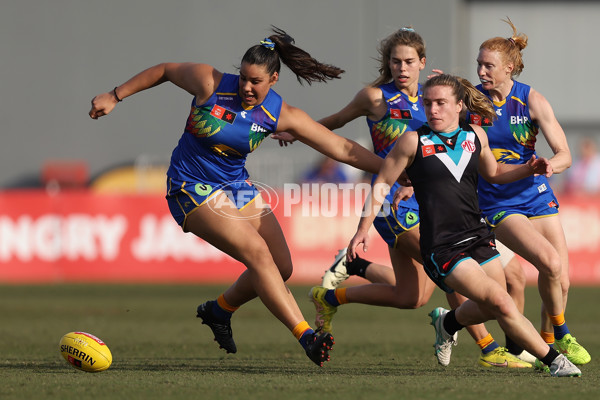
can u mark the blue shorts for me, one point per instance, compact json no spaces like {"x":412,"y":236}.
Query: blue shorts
{"x":546,"y":205}
{"x":184,"y":198}
{"x":441,"y":262}
{"x":396,"y":223}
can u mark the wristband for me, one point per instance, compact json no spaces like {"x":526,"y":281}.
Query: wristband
{"x":115,"y":93}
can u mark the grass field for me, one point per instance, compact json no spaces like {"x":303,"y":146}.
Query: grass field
{"x":161,"y":351}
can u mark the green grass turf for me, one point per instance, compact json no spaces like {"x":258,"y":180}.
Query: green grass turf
{"x":161,"y":351}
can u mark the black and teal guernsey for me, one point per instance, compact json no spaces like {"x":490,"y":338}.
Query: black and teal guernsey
{"x":444,"y":175}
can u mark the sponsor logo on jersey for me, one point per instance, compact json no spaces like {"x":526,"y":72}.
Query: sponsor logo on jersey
{"x":257,"y":128}
{"x":400,"y":114}
{"x":498,"y":216}
{"x":478,"y":120}
{"x":411,"y":217}
{"x":432,"y":149}
{"x":552,"y":204}
{"x":518,"y":119}
{"x":468,"y":146}
{"x":202,"y":189}
{"x":428,"y":150}
{"x":223,"y":114}
{"x":542,"y":188}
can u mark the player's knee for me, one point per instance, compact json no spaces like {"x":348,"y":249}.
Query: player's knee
{"x":501,"y":303}
{"x":515,"y":275}
{"x":257,"y":253}
{"x":515,"y":282}
{"x":286,"y":271}
{"x":551,"y":267}
{"x":565,"y":284}
{"x":409,"y":300}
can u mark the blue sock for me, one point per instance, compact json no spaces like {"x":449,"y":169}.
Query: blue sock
{"x":490,"y":347}
{"x":305,"y":335}
{"x":331,"y":299}
{"x":218,"y":312}
{"x":560,"y":331}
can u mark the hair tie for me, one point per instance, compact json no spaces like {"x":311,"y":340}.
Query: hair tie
{"x":407,"y":29}
{"x":512,"y":41}
{"x":268,"y":43}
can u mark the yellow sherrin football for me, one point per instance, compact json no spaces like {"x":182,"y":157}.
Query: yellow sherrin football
{"x":85,"y":351}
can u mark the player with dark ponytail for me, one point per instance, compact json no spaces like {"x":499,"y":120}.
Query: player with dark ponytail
{"x":209,"y":191}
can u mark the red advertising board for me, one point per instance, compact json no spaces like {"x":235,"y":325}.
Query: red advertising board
{"x":79,"y":236}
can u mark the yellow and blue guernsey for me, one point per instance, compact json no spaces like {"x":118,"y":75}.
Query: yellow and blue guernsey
{"x":404,"y":114}
{"x":211,"y":154}
{"x":512,"y":140}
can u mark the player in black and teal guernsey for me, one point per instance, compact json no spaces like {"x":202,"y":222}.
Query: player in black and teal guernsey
{"x":209,"y":191}
{"x":444,"y":159}
{"x":524,"y":214}
{"x":393,"y":105}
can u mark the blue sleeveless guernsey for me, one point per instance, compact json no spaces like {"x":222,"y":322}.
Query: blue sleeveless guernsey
{"x":404,"y":114}
{"x":220,"y":133}
{"x":512,"y":139}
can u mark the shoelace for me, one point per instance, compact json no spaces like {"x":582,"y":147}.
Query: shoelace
{"x":560,"y":364}
{"x":340,"y":277}
{"x":502,"y":351}
{"x":447,"y":345}
{"x":571,"y":341}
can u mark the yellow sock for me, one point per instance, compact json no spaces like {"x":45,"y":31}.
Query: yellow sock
{"x":224,"y":305}
{"x":548,"y":337}
{"x":485,"y":342}
{"x":299,"y":329}
{"x":340,"y":295}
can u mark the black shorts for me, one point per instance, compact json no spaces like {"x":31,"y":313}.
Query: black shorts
{"x":440,"y":262}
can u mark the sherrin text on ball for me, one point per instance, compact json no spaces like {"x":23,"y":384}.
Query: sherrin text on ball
{"x":85,"y":352}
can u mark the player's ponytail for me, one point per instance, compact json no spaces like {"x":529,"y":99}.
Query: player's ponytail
{"x":509,"y":48}
{"x":476,"y":102}
{"x":280,"y":47}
